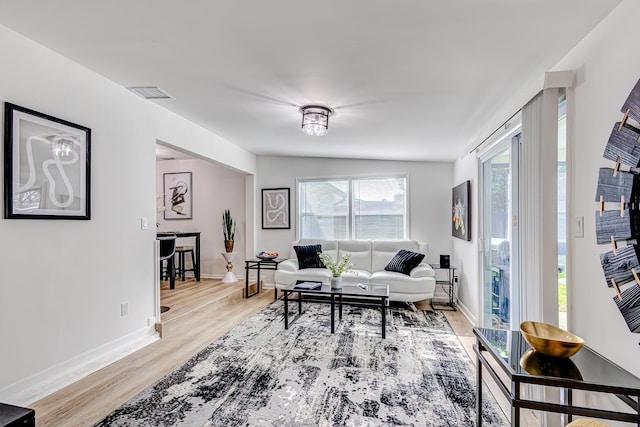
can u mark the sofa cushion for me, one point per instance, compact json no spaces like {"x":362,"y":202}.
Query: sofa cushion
{"x":360,"y":251}
{"x":404,"y":261}
{"x":308,"y":256}
{"x":383,"y":251}
{"x":329,"y":247}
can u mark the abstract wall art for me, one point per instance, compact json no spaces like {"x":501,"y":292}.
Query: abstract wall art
{"x":178,"y":195}
{"x":276,"y":212}
{"x":46,"y":166}
{"x":461,"y":211}
{"x":618,"y":216}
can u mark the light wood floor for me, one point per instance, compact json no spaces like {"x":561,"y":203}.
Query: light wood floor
{"x":200,"y":313}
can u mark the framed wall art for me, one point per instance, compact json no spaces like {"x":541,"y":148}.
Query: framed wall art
{"x":46,"y":166}
{"x":276,"y":211}
{"x":177,"y":195}
{"x":461,"y":211}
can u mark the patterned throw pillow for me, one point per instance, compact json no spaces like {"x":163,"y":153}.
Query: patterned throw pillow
{"x":308,"y":256}
{"x":404,"y":261}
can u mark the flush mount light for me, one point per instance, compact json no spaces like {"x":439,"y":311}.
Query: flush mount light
{"x":315,"y":119}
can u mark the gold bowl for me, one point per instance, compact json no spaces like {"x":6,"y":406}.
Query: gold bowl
{"x":550,"y":340}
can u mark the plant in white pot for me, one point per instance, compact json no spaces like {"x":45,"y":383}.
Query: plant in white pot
{"x":229,"y":230}
{"x":337,"y":268}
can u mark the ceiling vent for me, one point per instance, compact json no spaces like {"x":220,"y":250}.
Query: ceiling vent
{"x":150,"y":92}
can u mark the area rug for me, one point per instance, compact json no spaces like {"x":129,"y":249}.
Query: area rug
{"x":259,"y":374}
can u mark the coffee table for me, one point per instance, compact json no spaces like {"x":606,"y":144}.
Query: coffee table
{"x":363,"y":295}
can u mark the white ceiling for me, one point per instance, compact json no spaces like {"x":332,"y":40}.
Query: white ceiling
{"x":408,"y":79}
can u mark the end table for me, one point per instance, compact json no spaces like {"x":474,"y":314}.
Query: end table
{"x":447,"y":287}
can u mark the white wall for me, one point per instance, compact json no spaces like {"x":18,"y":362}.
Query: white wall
{"x":429,"y":195}
{"x":465,"y":254}
{"x":214,"y":189}
{"x":607,"y":70}
{"x":63,"y":281}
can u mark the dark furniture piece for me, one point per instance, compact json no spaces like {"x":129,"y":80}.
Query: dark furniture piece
{"x":259,"y":265}
{"x":586,"y":370}
{"x":446,"y":288}
{"x":181,"y":268}
{"x":196,"y":235}
{"x":167,"y":251}
{"x":14,"y":416}
{"x":368,"y":295}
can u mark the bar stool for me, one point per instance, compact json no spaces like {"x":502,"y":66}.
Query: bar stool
{"x":181,"y":268}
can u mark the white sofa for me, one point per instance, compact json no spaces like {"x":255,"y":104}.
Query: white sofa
{"x":369,"y":259}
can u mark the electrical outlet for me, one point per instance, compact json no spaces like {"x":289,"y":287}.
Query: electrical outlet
{"x":124,"y":309}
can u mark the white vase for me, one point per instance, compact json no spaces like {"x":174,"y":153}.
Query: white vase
{"x":336,"y":282}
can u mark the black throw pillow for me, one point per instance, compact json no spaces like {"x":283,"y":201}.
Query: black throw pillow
{"x":308,"y":256}
{"x":404,"y":261}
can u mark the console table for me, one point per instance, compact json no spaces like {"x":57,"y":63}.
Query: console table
{"x":259,"y":264}
{"x":586,"y":370}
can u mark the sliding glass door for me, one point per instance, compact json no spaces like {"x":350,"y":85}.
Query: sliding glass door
{"x":499,"y":183}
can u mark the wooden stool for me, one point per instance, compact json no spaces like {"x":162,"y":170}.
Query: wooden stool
{"x":181,"y":267}
{"x":586,"y":422}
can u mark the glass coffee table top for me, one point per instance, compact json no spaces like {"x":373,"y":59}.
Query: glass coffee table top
{"x":348,"y":289}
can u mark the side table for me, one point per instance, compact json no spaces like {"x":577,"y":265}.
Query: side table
{"x":447,"y":288}
{"x":11,"y":415}
{"x":229,"y":277}
{"x":259,"y":264}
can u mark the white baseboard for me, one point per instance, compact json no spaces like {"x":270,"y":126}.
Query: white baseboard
{"x":26,"y":391}
{"x":465,"y":311}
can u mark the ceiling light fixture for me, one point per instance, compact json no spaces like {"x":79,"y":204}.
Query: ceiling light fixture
{"x":315,"y":119}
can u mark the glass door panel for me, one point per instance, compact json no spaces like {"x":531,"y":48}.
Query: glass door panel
{"x":499,"y":179}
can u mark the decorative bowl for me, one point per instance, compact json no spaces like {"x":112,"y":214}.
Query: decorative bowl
{"x":267,"y":255}
{"x":550,"y":340}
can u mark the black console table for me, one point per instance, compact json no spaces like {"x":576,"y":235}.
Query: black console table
{"x":259,"y":264}
{"x":11,"y":416}
{"x":586,"y":370}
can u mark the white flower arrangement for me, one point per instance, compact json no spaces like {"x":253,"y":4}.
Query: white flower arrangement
{"x":337,"y":268}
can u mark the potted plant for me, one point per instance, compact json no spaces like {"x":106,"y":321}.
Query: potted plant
{"x":229,"y":230}
{"x":337,"y":268}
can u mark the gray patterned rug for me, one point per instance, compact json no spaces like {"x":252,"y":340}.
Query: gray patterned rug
{"x":258,"y":374}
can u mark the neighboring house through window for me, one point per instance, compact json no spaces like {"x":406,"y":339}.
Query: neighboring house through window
{"x":353,"y":208}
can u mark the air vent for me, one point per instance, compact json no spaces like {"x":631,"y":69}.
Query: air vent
{"x":150,"y":92}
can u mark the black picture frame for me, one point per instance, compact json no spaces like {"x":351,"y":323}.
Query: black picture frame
{"x":47,"y":166}
{"x":178,"y":195}
{"x":461,"y":211}
{"x":276,"y":208}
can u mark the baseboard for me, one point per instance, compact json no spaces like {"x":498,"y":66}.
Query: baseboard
{"x":465,"y":311}
{"x":26,"y":391}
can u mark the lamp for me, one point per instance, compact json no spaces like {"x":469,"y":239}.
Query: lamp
{"x":61,"y":145}
{"x":315,"y":119}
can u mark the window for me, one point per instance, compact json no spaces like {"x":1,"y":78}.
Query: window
{"x":353,"y":208}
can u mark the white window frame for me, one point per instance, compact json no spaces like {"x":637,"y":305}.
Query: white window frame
{"x":350,"y":216}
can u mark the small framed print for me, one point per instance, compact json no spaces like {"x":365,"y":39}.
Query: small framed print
{"x":276,"y":210}
{"x":46,"y":166}
{"x":177,"y":195}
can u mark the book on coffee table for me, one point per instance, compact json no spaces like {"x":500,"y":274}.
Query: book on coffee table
{"x":300,"y":284}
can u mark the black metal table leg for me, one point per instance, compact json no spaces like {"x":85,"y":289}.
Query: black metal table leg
{"x":286,"y":310}
{"x":246,"y":280}
{"x":478,"y":388}
{"x":299,"y":303}
{"x":333,"y":314}
{"x":384,"y":317}
{"x":515,"y":409}
{"x":340,"y":307}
